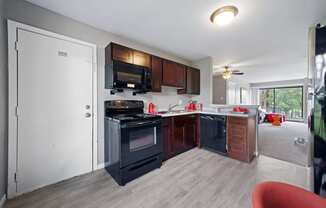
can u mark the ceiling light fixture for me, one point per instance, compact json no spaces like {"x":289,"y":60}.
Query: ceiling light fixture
{"x":226,"y":73}
{"x":224,"y":15}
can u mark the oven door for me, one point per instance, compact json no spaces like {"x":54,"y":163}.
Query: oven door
{"x":140,"y":140}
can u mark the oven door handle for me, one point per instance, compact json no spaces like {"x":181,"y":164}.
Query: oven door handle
{"x":141,"y":124}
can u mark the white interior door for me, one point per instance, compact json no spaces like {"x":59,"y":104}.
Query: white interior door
{"x":54,"y":99}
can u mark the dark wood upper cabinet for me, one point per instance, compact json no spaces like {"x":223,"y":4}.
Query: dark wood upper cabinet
{"x":127,"y":55}
{"x":141,"y":59}
{"x":192,"y":82}
{"x":164,"y":72}
{"x":157,"y":66}
{"x":181,"y":75}
{"x":118,"y":53}
{"x":174,"y":74}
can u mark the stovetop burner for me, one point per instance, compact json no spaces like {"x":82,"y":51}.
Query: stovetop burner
{"x":134,"y":117}
{"x":146,"y":116}
{"x":123,"y":117}
{"x":127,"y":110}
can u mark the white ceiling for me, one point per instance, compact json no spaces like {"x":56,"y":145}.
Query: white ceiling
{"x":267,"y":40}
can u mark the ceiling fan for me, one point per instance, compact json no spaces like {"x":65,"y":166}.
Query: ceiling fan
{"x":227,"y":73}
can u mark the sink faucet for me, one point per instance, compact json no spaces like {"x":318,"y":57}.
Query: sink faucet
{"x":171,"y":107}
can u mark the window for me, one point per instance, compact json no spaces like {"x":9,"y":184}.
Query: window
{"x":244,"y":95}
{"x":285,"y":100}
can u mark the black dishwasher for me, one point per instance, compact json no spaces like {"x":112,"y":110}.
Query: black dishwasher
{"x":213,"y":133}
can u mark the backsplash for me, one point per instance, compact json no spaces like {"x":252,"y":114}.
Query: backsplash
{"x":162,"y":100}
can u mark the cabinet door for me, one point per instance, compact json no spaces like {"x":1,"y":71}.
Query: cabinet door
{"x":179,"y":143}
{"x":121,"y":53}
{"x":190,"y":128}
{"x":169,"y":76}
{"x":180,"y":74}
{"x":157,"y":66}
{"x":193,"y":81}
{"x":167,"y":135}
{"x":174,"y":74}
{"x":141,"y":59}
{"x":192,"y":85}
{"x":179,"y":134}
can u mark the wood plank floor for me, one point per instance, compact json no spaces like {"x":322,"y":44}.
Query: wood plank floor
{"x":195,"y":179}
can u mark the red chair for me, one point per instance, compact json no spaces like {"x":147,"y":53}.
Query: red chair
{"x":281,"y":195}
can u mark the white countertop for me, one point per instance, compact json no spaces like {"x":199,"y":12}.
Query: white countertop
{"x":205,"y":112}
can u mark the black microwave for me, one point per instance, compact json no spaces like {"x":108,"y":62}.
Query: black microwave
{"x":119,"y":75}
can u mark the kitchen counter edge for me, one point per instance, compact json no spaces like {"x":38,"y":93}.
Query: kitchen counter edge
{"x":207,"y":113}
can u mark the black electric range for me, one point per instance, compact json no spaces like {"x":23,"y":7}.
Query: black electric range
{"x":133,"y":140}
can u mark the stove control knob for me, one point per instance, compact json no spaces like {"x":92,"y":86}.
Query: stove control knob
{"x":88,"y":115}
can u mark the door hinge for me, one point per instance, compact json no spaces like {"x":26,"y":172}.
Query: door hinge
{"x":17,"y":111}
{"x":16,"y":177}
{"x":16,"y":46}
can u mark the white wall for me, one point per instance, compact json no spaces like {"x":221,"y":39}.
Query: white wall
{"x":3,"y":102}
{"x":254,"y":96}
{"x":206,"y":80}
{"x":233,"y":92}
{"x":30,"y":14}
{"x":219,"y":90}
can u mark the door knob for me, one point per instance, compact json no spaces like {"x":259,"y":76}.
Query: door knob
{"x":87,"y":115}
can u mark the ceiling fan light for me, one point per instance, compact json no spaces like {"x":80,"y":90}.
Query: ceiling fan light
{"x":224,"y":15}
{"x":226,"y":75}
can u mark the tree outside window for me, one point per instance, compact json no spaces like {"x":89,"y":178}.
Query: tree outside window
{"x":285,"y":100}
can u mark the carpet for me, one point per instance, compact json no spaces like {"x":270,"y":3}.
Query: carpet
{"x":279,"y":142}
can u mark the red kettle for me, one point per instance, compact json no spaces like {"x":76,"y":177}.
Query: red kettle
{"x":151,"y":108}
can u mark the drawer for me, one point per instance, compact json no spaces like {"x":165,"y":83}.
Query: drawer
{"x":187,"y":119}
{"x":237,"y":147}
{"x":237,"y":130}
{"x":237,"y":120}
{"x":236,"y":139}
{"x":166,"y":121}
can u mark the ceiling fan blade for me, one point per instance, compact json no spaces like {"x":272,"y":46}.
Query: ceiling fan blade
{"x":237,"y":73}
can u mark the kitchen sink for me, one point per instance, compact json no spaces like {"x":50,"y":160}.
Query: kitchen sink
{"x":171,"y":112}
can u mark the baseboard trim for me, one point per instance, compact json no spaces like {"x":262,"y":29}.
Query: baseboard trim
{"x":3,"y":200}
{"x":102,"y":165}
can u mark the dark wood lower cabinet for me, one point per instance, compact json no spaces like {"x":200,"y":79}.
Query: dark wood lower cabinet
{"x":241,"y":138}
{"x":167,"y":134}
{"x":190,"y":132}
{"x":182,"y":133}
{"x":179,"y":134}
